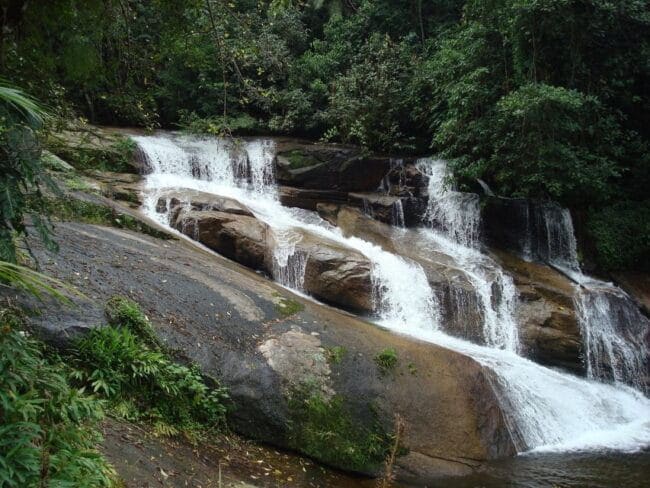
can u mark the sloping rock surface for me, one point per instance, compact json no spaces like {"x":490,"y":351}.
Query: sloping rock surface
{"x":218,"y":315}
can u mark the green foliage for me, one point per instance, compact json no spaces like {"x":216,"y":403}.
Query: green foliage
{"x":72,"y":209}
{"x":120,"y":363}
{"x":386,"y":360}
{"x":21,"y":170}
{"x":32,"y":282}
{"x":367,"y":106}
{"x":335,"y":354}
{"x":323,"y":428}
{"x":621,"y":235}
{"x":544,"y":141}
{"x":539,"y":98}
{"x":123,"y":312}
{"x":47,"y":427}
{"x":286,"y":307}
{"x":216,"y":126}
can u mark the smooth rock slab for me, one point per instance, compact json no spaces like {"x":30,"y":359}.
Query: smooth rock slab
{"x":218,"y":314}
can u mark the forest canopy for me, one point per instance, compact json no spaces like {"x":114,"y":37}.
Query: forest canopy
{"x":539,"y":98}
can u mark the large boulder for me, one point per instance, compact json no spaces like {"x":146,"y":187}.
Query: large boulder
{"x":549,"y":328}
{"x":331,"y":272}
{"x":382,"y":207}
{"x":88,"y":147}
{"x":534,"y":229}
{"x":226,"y":320}
{"x":309,"y":199}
{"x":507,"y":224}
{"x":124,"y":187}
{"x":637,"y":285}
{"x":336,"y":274}
{"x":172,"y":200}
{"x":238,"y":237}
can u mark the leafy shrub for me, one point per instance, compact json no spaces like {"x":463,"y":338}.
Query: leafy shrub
{"x":621,"y":234}
{"x":217,"y":126}
{"x":21,"y":169}
{"x":123,"y":312}
{"x":120,"y":363}
{"x":47,"y":433}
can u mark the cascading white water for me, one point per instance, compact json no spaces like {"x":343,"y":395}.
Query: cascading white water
{"x":456,"y":217}
{"x":289,"y":265}
{"x":456,"y":214}
{"x":611,"y":325}
{"x":398,"y":214}
{"x":558,"y":245}
{"x":544,"y":408}
{"x":614,"y":334}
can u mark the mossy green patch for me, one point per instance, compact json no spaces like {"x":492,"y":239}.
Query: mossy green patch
{"x":386,"y":360}
{"x":76,"y":183}
{"x":412,"y":369}
{"x":298,"y":159}
{"x":72,"y":209}
{"x":324,"y":429}
{"x":84,"y":153}
{"x":335,"y":354}
{"x":287,"y":307}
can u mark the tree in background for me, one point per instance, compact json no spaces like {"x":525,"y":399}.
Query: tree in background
{"x":540,"y":98}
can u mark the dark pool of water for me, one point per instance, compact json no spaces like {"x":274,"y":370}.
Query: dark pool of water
{"x":563,"y":470}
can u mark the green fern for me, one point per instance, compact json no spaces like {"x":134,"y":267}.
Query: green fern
{"x":47,"y":434}
{"x":25,"y":107}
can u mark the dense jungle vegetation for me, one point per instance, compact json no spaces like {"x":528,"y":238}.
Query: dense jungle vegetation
{"x":540,"y":98}
{"x":543,"y":99}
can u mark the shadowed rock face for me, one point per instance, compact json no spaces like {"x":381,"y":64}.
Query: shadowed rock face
{"x":331,"y":167}
{"x":224,"y":318}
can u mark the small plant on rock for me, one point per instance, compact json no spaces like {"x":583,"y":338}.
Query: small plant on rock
{"x":335,"y":354}
{"x":386,"y":360}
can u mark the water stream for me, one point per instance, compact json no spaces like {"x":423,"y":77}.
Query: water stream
{"x":613,"y":329}
{"x":546,"y":410}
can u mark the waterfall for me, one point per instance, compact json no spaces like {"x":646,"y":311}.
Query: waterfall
{"x":614,"y":333}
{"x":557,"y":242}
{"x":398,"y":214}
{"x":613,"y":329}
{"x":545,"y":409}
{"x":289,"y":264}
{"x":456,"y":216}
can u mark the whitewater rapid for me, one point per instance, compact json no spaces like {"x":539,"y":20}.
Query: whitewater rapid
{"x":545,"y":410}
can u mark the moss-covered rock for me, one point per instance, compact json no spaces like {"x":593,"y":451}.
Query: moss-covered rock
{"x":91,"y":148}
{"x":325,"y":429}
